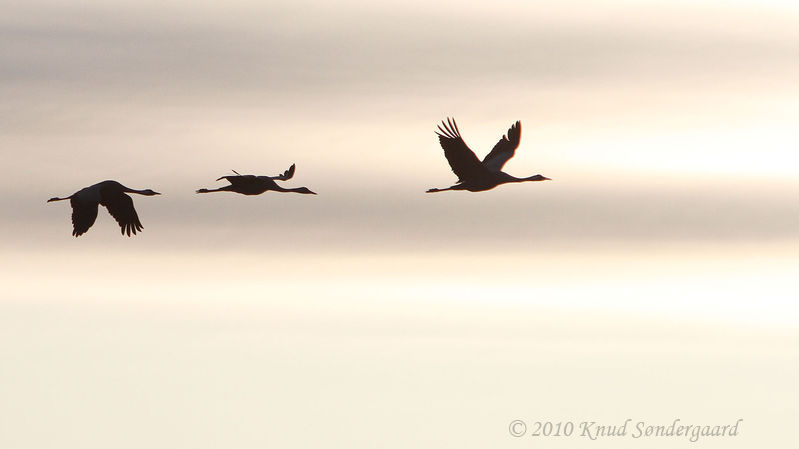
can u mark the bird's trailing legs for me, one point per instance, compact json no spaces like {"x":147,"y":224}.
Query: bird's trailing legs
{"x":455,"y":187}
{"x":221,"y":189}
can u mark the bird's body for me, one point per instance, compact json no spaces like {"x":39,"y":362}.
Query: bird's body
{"x":474,"y":175}
{"x":256,"y":185}
{"x":110,"y":194}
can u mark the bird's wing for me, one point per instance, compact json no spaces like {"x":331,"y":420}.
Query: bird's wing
{"x":238,"y":179}
{"x":460,"y":157}
{"x":121,"y":208}
{"x":288,"y":174}
{"x":504,"y":149}
{"x":84,"y":213}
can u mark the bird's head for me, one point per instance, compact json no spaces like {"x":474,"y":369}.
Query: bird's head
{"x":305,"y":190}
{"x":149,"y":192}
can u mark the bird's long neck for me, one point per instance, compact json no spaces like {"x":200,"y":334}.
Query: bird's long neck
{"x":295,"y":189}
{"x":536,"y":178}
{"x":145,"y":192}
{"x":531,"y":178}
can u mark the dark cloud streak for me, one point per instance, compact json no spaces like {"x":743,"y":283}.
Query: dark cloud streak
{"x":514,"y":219}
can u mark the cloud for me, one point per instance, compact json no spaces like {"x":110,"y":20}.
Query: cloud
{"x":273,"y":50}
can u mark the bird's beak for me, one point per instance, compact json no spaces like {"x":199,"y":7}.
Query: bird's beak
{"x":156,"y":193}
{"x":546,"y":179}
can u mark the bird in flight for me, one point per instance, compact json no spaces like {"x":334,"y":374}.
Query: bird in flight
{"x":256,"y":185}
{"x":110,"y":194}
{"x":473,"y":175}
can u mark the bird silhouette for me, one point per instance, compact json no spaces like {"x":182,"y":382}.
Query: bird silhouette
{"x":110,"y":194}
{"x":256,"y":185}
{"x":473,"y":175}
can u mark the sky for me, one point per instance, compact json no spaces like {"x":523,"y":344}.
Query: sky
{"x":651,"y":279}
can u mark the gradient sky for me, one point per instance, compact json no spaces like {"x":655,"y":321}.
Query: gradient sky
{"x":660,"y":259}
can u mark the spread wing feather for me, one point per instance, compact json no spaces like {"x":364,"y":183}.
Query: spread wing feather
{"x":461,"y":158}
{"x":121,"y":208}
{"x":288,"y":174}
{"x":84,"y":214}
{"x":504,"y":149}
